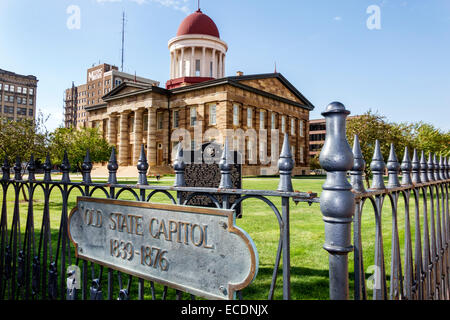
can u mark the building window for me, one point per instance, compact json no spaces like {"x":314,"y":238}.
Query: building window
{"x":19,"y":100}
{"x":262,"y":117}
{"x":11,"y":88}
{"x":159,"y":120}
{"x":11,"y":98}
{"x":249,"y":117}
{"x":1,"y":86}
{"x":250,"y":152}
{"x":235,"y":115}
{"x":6,"y":87}
{"x":145,"y":122}
{"x":301,"y":128}
{"x":283,"y":124}
{"x":211,"y":69}
{"x":30,"y":112}
{"x":292,"y":126}
{"x":19,"y":89}
{"x":22,"y":111}
{"x":301,"y":155}
{"x":273,"y":121}
{"x":31,"y":91}
{"x":176,"y":118}
{"x":212,"y":114}
{"x":197,"y":68}
{"x":193,"y":116}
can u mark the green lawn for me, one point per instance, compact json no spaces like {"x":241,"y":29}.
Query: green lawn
{"x":309,"y":261}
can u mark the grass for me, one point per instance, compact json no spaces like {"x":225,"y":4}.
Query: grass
{"x":309,"y":261}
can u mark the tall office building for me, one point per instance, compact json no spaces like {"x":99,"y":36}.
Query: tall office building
{"x":17,"y":96}
{"x":100,"y":80}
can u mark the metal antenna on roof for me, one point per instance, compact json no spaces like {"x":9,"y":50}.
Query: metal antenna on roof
{"x":275,"y":67}
{"x":123,"y":37}
{"x":198,"y":5}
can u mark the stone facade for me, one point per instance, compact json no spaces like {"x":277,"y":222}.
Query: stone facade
{"x":137,"y":114}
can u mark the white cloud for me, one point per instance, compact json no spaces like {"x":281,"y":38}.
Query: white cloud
{"x":337,"y":18}
{"x":179,"y":5}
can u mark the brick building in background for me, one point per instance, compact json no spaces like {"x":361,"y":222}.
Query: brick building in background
{"x":100,"y":80}
{"x":17,"y":96}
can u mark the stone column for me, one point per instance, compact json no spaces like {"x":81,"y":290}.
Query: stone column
{"x":192,"y":63}
{"x":203,"y":68}
{"x":172,"y":55}
{"x":124,"y":142}
{"x":181,"y":63}
{"x":138,"y":128}
{"x":214,"y":75}
{"x":223,"y":65}
{"x":220,"y":65}
{"x":112,"y":129}
{"x":151,"y":137}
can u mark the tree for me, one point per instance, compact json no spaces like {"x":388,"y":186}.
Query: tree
{"x":23,"y":138}
{"x":76,"y":142}
{"x":430,"y":139}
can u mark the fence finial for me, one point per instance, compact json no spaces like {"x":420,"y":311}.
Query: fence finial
{"x":446,"y":170}
{"x":86,"y":168}
{"x":65,"y":168}
{"x":6,"y":169}
{"x":431,"y":176}
{"x":225,"y":168}
{"x":359,"y":164}
{"x":437,"y":168}
{"x":377,"y":165}
{"x":406,"y":168}
{"x":285,"y":166}
{"x":112,"y":167}
{"x":31,"y":167}
{"x":423,"y":168}
{"x":393,"y":169}
{"x":47,"y":168}
{"x":415,"y":168}
{"x":18,"y":169}
{"x":441,"y":167}
{"x":179,"y":165}
{"x":142,"y":167}
{"x":337,"y":202}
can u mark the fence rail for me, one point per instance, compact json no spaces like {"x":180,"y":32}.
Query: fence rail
{"x":33,"y":266}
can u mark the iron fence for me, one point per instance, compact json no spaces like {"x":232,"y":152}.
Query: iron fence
{"x":31,"y":267}
{"x":424,"y":273}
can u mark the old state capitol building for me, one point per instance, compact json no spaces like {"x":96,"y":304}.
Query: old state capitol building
{"x":199,"y":95}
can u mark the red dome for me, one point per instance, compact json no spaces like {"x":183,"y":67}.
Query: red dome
{"x":198,"y":23}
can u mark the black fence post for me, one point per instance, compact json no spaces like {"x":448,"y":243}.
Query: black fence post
{"x":337,"y":202}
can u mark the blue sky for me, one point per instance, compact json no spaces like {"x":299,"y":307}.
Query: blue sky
{"x":323,"y":47}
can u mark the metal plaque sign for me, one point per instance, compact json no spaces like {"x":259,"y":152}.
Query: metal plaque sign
{"x":194,"y":249}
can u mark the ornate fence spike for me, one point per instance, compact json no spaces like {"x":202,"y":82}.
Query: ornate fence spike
{"x":285,"y":166}
{"x":142,"y":167}
{"x":430,"y":170}
{"x":31,"y":168}
{"x":179,"y":165}
{"x":377,"y":166}
{"x":447,"y":167}
{"x":423,"y":168}
{"x":337,"y":202}
{"x":65,"y":168}
{"x":393,"y":169}
{"x":113,"y":166}
{"x":441,"y":167}
{"x":225,"y":168}
{"x":18,"y":169}
{"x":6,"y":169}
{"x":437,"y":172}
{"x":86,"y":168}
{"x":406,"y":169}
{"x":359,"y":164}
{"x":47,"y":168}
{"x":415,"y":165}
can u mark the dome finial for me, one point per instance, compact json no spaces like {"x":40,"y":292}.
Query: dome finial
{"x":198,"y":6}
